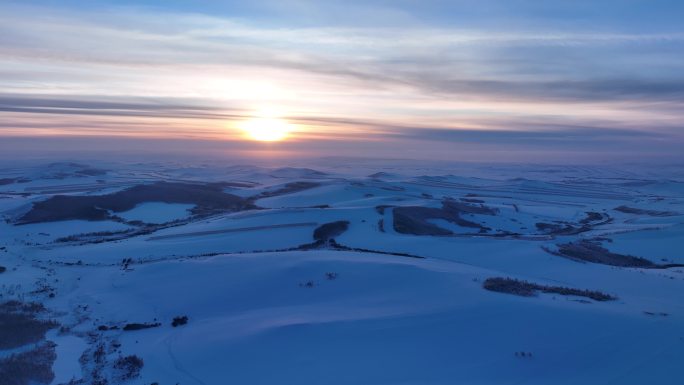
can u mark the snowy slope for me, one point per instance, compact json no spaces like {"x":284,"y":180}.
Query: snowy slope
{"x":268,"y":304}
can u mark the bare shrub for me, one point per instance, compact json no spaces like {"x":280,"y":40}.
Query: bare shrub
{"x":179,"y":321}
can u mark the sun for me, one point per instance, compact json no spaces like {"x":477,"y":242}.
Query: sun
{"x":266,"y":129}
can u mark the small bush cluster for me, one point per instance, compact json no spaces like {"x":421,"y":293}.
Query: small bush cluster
{"x":179,"y":321}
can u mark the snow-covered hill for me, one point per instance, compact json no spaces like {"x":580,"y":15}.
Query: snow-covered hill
{"x":217,"y":275}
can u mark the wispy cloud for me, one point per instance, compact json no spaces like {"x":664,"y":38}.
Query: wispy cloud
{"x":193,"y":75}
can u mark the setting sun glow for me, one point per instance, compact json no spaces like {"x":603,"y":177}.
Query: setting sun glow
{"x":266,"y":129}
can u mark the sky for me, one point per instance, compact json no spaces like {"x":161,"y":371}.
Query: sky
{"x":501,"y":81}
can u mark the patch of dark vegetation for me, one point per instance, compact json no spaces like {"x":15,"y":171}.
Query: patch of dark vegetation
{"x":309,"y":246}
{"x":288,"y":188}
{"x":44,"y":287}
{"x":140,"y":326}
{"x":128,"y":367}
{"x":379,"y":174}
{"x":208,"y":199}
{"x":472,"y":200}
{"x":337,"y":246}
{"x":126,"y":262}
{"x":179,"y":321}
{"x":287,"y":172}
{"x":592,"y":251}
{"x":331,"y":276}
{"x":529,"y":289}
{"x":392,"y":188}
{"x":20,"y":324}
{"x":652,"y":213}
{"x":415,"y":219}
{"x":113,"y":236}
{"x":561,"y":228}
{"x":30,"y":367}
{"x":465,"y":208}
{"x":381,"y":209}
{"x":253,"y":228}
{"x":62,"y":170}
{"x":330,"y":230}
{"x":91,"y":172}
{"x":661,"y":314}
{"x":566,"y":228}
{"x":592,"y":216}
{"x":100,"y":370}
{"x":95,"y":234}
{"x":331,"y":244}
{"x":104,"y":328}
{"x":239,"y":184}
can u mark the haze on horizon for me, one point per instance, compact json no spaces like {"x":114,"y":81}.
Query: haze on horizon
{"x":513,"y":81}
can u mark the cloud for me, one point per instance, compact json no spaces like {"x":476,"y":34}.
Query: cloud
{"x":86,"y":71}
